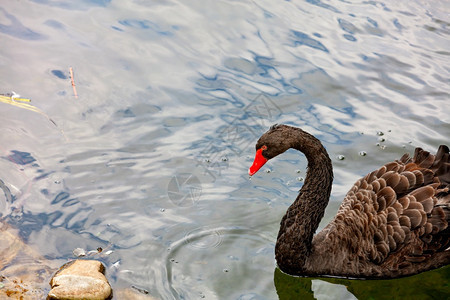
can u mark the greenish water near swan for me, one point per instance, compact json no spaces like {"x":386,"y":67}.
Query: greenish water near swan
{"x":430,"y":285}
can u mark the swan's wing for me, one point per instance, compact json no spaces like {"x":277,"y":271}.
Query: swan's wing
{"x":399,"y":214}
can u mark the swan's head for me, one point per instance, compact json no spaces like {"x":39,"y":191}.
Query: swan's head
{"x":275,"y":141}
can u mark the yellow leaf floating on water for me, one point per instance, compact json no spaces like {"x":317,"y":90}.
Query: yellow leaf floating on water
{"x":16,"y":100}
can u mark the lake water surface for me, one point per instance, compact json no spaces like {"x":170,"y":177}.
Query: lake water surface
{"x":150,"y":161}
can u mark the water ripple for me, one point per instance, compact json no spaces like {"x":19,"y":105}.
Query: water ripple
{"x":172,"y":98}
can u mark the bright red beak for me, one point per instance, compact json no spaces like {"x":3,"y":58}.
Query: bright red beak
{"x":259,"y":161}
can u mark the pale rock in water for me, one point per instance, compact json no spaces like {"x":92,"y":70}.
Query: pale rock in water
{"x":80,"y":279}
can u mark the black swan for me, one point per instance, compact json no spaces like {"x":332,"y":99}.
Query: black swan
{"x":392,"y":223}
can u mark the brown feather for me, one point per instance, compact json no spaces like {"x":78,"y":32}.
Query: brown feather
{"x":415,"y":217}
{"x":402,"y":186}
{"x":404,"y":201}
{"x":428,"y":205}
{"x":423,"y":193}
{"x":411,"y":178}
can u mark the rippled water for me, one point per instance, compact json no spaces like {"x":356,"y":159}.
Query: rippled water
{"x":150,"y":160}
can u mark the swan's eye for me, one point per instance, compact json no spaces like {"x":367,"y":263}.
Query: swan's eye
{"x":264,"y":147}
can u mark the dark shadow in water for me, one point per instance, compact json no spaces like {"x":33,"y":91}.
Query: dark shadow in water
{"x":429,"y":285}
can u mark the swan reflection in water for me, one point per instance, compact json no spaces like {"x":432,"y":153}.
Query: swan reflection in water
{"x":428,"y":285}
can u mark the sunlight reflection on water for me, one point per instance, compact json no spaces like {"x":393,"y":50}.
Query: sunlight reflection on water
{"x":172,"y":98}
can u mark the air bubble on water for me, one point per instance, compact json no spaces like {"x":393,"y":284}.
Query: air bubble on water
{"x":298,"y":171}
{"x":224,"y":159}
{"x":268,"y":171}
{"x":362,"y":153}
{"x":380,"y":133}
{"x":300,"y":178}
{"x":162,"y":209}
{"x":225,"y":270}
{"x":341,"y":157}
{"x":381,"y":139}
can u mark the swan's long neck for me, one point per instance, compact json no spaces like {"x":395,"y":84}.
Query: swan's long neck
{"x":303,"y":216}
